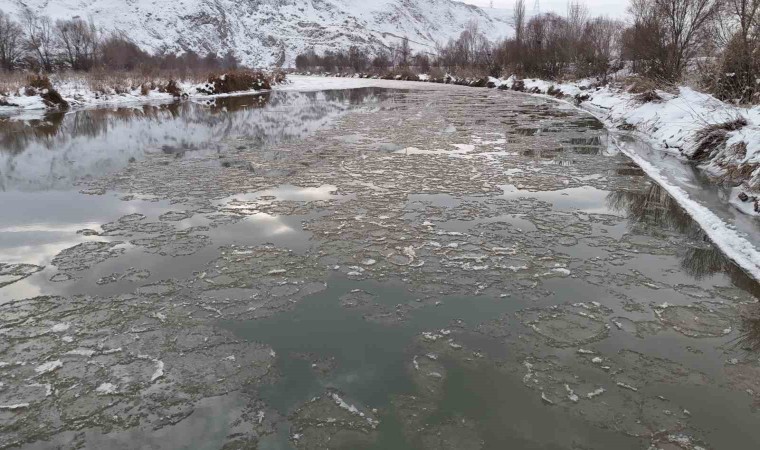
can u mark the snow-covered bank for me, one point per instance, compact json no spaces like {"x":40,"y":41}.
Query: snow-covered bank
{"x":78,"y":92}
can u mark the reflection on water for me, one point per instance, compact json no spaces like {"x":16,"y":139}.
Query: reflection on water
{"x":750,"y":329}
{"x":332,"y":288}
{"x":54,"y":151}
{"x":655,"y":209}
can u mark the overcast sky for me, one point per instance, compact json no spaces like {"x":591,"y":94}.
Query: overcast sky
{"x":612,"y":8}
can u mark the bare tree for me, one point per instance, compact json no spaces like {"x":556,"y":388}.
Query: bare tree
{"x":684,"y":19}
{"x":78,"y":41}
{"x":381,"y":62}
{"x":422,"y":62}
{"x":598,"y":47}
{"x":357,"y":59}
{"x":40,"y":40}
{"x":11,"y":42}
{"x":404,"y":52}
{"x":118,"y":52}
{"x":577,"y":16}
{"x":738,"y":30}
{"x":665,"y":34}
{"x":519,"y":20}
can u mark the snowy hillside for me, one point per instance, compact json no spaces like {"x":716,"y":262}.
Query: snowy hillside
{"x":274,"y":32}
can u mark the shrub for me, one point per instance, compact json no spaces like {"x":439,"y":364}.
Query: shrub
{"x":41,"y":85}
{"x":554,"y":92}
{"x":39,"y":82}
{"x":171,"y":87}
{"x":236,"y":81}
{"x":53,"y":99}
{"x":580,"y":98}
{"x":712,"y":137}
{"x":639,"y":85}
{"x":650,"y":96}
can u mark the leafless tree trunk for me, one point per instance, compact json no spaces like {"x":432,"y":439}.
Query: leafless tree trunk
{"x":665,"y":33}
{"x":40,"y":39}
{"x":11,"y":42}
{"x":738,"y":27}
{"x":79,"y":42}
{"x":519,"y":19}
{"x":684,"y":19}
{"x":404,"y":53}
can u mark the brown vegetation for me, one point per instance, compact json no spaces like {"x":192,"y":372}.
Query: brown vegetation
{"x":235,"y":81}
{"x":713,"y":137}
{"x":41,"y":85}
{"x":36,"y":43}
{"x":650,"y":96}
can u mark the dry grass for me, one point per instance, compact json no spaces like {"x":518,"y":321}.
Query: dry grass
{"x":107,"y":83}
{"x":554,"y":92}
{"x":11,"y":82}
{"x":625,"y":126}
{"x":712,"y":137}
{"x":735,"y":174}
{"x":401,"y":74}
{"x":650,"y":96}
{"x":42,"y":86}
{"x":639,"y":85}
{"x":519,"y":86}
{"x":139,"y":82}
{"x":237,"y":81}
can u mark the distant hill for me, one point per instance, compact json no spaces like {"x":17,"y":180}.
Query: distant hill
{"x":273,"y":32}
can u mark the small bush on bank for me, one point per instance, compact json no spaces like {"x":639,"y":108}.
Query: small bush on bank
{"x":625,"y":126}
{"x":554,"y":92}
{"x":639,"y":85}
{"x":650,"y":96}
{"x":171,"y":87}
{"x":235,"y":81}
{"x":41,"y":85}
{"x":580,"y":98}
{"x":39,"y":82}
{"x":713,"y":137}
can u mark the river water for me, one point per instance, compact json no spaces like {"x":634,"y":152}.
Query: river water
{"x":449,"y":268}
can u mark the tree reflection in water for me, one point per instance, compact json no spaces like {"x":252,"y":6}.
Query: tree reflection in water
{"x":654,"y":207}
{"x":53,"y":151}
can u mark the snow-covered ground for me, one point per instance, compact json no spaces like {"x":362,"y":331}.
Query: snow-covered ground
{"x":78,"y":93}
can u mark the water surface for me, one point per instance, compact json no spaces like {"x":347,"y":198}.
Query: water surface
{"x":453,"y":268}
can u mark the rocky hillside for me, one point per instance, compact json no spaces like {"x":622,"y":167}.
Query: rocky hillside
{"x":273,"y":32}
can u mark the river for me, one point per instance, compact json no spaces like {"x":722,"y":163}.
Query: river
{"x":446,"y":268}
